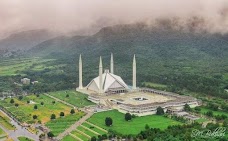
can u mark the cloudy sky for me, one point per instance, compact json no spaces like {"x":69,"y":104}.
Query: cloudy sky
{"x":69,"y":15}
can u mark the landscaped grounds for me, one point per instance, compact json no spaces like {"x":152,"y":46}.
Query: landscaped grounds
{"x":75,"y":98}
{"x":134,"y":126}
{"x":24,"y":139}
{"x":5,"y":122}
{"x":25,"y":111}
{"x":60,"y":124}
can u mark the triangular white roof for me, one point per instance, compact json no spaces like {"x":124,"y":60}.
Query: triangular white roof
{"x":109,"y":80}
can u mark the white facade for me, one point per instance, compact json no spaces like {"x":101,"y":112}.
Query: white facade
{"x":109,"y":81}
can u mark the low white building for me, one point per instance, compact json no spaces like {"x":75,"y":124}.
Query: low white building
{"x":25,"y":81}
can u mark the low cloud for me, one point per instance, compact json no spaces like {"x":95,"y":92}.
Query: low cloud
{"x":72,"y":15}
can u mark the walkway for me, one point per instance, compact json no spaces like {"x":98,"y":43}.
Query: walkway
{"x":74,"y":126}
{"x":20,"y":131}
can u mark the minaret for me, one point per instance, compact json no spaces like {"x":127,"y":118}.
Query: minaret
{"x":112,"y":64}
{"x":80,"y":72}
{"x":100,"y":76}
{"x":134,"y":73}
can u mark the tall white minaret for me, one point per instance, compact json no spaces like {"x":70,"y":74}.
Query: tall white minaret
{"x":80,"y":72}
{"x":112,"y":64}
{"x":134,"y":73}
{"x":100,"y":76}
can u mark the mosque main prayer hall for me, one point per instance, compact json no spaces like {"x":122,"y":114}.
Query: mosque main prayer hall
{"x":110,"y":90}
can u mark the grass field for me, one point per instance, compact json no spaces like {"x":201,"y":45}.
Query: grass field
{"x":25,"y":111}
{"x":2,"y":133}
{"x":76,"y":133}
{"x":68,"y":138}
{"x":24,"y":139}
{"x":60,"y":124}
{"x":131,"y":127}
{"x":204,"y":110}
{"x":5,"y":122}
{"x":15,"y":66}
{"x":75,"y":98}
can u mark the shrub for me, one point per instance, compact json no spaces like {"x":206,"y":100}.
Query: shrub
{"x":108,"y":121}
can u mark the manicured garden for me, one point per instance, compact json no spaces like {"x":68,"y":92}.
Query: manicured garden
{"x":131,"y":127}
{"x":60,"y":124}
{"x":68,"y":138}
{"x":5,"y":122}
{"x":26,"y":110}
{"x":24,"y":139}
{"x":71,"y":96}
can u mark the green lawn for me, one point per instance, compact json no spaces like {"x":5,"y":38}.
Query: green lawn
{"x":75,"y":98}
{"x":204,"y":110}
{"x":84,"y":138}
{"x":91,"y":134}
{"x":2,"y":133}
{"x":93,"y":128}
{"x":24,"y":139}
{"x":60,"y":124}
{"x":68,"y":138}
{"x":5,"y":122}
{"x":131,"y":127}
{"x":25,"y":111}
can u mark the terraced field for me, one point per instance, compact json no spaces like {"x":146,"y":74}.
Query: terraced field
{"x":85,"y":132}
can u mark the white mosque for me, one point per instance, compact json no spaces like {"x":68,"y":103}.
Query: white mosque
{"x":107,"y":82}
{"x":111,"y":91}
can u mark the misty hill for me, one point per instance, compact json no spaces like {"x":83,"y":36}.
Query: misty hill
{"x":175,"y":57}
{"x":25,"y":40}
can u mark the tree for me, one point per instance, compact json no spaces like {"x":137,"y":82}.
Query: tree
{"x":42,"y":103}
{"x":128,"y":116}
{"x":16,"y":104}
{"x":72,"y":111}
{"x":35,"y":107}
{"x":53,"y":116}
{"x":53,"y":102}
{"x":20,"y":97}
{"x":61,"y":114}
{"x":37,"y":95}
{"x":187,"y":108}
{"x":209,"y":113}
{"x":12,"y":101}
{"x":34,"y":116}
{"x":93,"y":138}
{"x":50,"y":134}
{"x":28,"y":101}
{"x":160,"y":111}
{"x":197,"y":109}
{"x":108,"y":121}
{"x":67,"y":95}
{"x":147,"y":127}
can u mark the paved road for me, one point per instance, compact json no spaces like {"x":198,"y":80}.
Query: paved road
{"x":20,"y":131}
{"x":75,"y":125}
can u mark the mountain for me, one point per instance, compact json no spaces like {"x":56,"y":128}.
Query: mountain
{"x":191,"y":60}
{"x":25,"y":40}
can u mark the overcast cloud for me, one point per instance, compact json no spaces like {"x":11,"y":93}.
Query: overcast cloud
{"x":70,"y":15}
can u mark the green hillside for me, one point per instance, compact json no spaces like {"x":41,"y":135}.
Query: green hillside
{"x":181,"y":60}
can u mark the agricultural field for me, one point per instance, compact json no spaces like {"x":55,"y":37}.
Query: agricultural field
{"x":25,"y":111}
{"x":60,"y":124}
{"x":24,"y":139}
{"x":130,"y":127}
{"x":15,"y":66}
{"x":75,"y":98}
{"x":5,"y":122}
